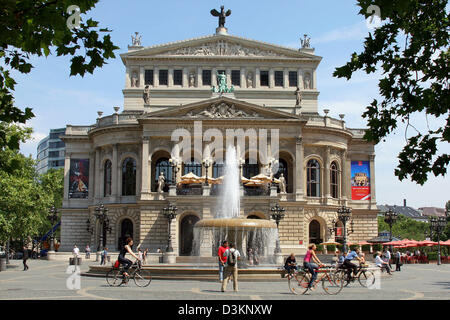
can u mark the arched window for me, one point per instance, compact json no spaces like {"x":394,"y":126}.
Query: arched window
{"x":250,"y":169}
{"x":313,"y":178}
{"x":107,"y":179}
{"x":194,"y":167}
{"x":129,"y":177}
{"x":334,"y":180}
{"x":218,"y":170}
{"x":163,"y":165}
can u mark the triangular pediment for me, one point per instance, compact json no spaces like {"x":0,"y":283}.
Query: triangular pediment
{"x":222,"y":108}
{"x":220,"y":46}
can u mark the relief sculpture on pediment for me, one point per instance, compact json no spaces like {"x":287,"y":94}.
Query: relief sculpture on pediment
{"x":221,"y":110}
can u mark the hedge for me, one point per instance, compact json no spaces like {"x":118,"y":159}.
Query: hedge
{"x":377,"y":247}
{"x":366,"y":247}
{"x":354,"y":247}
{"x":331,"y":248}
{"x":432,"y":256}
{"x":320,"y":248}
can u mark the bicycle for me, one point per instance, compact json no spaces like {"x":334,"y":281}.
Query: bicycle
{"x":141,"y":277}
{"x":331,"y":281}
{"x":365,"y":277}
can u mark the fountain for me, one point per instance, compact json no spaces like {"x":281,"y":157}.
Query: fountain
{"x":256,"y":234}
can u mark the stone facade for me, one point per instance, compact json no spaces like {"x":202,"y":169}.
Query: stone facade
{"x":138,"y":140}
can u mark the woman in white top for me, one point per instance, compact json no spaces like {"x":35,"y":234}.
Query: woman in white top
{"x":382,"y":264}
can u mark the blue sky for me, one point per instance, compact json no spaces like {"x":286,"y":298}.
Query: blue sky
{"x":336,"y":31}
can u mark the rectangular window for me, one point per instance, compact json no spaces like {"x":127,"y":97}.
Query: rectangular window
{"x":53,"y":154}
{"x":264,"y":78}
{"x":293,"y":79}
{"x":206,"y":77}
{"x":279,"y":78}
{"x":163,"y":77}
{"x":149,"y":77}
{"x":177,"y":77}
{"x":236,"y":77}
{"x":54,"y":145}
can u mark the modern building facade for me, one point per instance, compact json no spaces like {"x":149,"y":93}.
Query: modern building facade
{"x":51,"y":151}
{"x":117,"y":160}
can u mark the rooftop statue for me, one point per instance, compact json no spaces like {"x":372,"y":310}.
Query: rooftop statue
{"x":222,"y":88}
{"x":222,"y":15}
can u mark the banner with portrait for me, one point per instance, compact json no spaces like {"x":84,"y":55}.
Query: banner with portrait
{"x":79,"y":178}
{"x":360,"y":175}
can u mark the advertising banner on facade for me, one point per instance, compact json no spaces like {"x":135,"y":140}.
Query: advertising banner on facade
{"x":79,"y":178}
{"x":360,"y":180}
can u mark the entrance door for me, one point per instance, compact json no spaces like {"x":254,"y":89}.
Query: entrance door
{"x":187,"y":234}
{"x":314,"y":232}
{"x":126,"y":230}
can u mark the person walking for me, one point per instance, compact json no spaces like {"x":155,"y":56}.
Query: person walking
{"x":104,"y":256}
{"x":25,"y":258}
{"x":388,"y":257}
{"x":144,"y":256}
{"x":311,"y":266}
{"x":222,"y":258}
{"x":231,"y":269}
{"x":398,"y":260}
{"x":75,"y":251}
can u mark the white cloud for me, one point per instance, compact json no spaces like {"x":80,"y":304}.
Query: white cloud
{"x":357,"y":31}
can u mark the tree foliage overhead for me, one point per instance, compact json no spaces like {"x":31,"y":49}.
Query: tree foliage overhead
{"x":411,"y":48}
{"x":36,"y":28}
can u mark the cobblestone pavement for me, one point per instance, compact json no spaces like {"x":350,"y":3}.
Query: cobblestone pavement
{"x":46,"y":280}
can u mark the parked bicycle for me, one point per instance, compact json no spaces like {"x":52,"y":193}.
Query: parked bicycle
{"x":142,"y":277}
{"x":364,"y":276}
{"x":331,"y":280}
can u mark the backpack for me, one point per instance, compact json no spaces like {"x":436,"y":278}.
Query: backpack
{"x":231,"y":261}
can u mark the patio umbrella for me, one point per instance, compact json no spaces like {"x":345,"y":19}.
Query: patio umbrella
{"x":427,"y":243}
{"x":261,"y":177}
{"x":363,"y":243}
{"x":445,"y":243}
{"x":330,"y":243}
{"x":190,"y":175}
{"x":254,"y":183}
{"x":394,"y":243}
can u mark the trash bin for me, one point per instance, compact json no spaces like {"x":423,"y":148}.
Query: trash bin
{"x":3,"y":264}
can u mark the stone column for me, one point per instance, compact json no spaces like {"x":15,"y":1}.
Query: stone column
{"x":142,"y":77}
{"x":299,"y":170}
{"x":228,"y":73}
{"x":199,"y":77}
{"x":214,"y":77}
{"x":243,"y":78}
{"x":115,"y":173}
{"x":97,"y":190}
{"x":145,"y":185}
{"x":170,"y":77}
{"x":314,"y":79}
{"x":326,"y":175}
{"x":128,"y":77}
{"x":286,"y":78}
{"x":300,"y":78}
{"x":257,"y":83}
{"x":271,"y":78}
{"x":66,"y":175}
{"x":346,"y":177}
{"x":185,"y":77}
{"x":155,"y":77}
{"x":373,"y":199}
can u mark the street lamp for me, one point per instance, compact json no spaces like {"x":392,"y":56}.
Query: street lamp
{"x":53,"y":217}
{"x":101,"y":214}
{"x":344,"y":215}
{"x":277,"y":215}
{"x":437,"y":226}
{"x":170,"y":212}
{"x":207,"y":164}
{"x":390,"y":217}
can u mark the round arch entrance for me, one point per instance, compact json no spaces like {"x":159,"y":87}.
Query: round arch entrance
{"x":126,"y":230}
{"x":314,"y":232}
{"x":187,"y":234}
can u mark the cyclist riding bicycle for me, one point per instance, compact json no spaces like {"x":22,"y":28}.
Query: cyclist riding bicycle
{"x":124,"y":261}
{"x":312,"y":267}
{"x":349,"y":265}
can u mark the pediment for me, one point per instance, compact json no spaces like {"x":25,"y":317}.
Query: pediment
{"x":220,"y":46}
{"x":221,"y":108}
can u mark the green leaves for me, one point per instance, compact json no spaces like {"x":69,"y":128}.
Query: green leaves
{"x":38,"y":28}
{"x":412,"y":49}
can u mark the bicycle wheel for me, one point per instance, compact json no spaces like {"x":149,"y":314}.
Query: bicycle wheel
{"x":366,"y":278}
{"x":332,"y":282}
{"x":142,"y":277}
{"x":114,"y":278}
{"x":298,"y":284}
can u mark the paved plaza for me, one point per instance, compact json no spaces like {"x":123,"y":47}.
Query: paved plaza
{"x":46,"y":280}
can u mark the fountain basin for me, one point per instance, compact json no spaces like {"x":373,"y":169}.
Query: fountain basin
{"x":239,"y":223}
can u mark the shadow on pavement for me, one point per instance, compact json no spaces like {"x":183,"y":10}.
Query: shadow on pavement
{"x":445,"y":284}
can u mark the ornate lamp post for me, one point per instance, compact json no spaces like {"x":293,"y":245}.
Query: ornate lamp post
{"x":437,"y":226}
{"x":277,"y":215}
{"x":207,"y":164}
{"x":390,"y":217}
{"x":53,"y":217}
{"x":170,"y":212}
{"x":101,"y":214}
{"x":344,"y":215}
